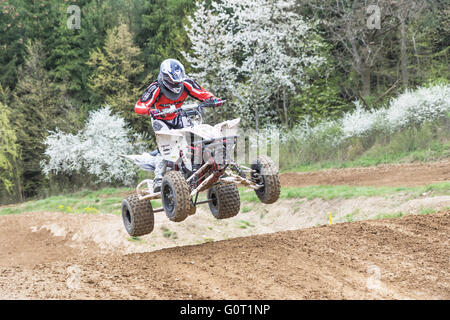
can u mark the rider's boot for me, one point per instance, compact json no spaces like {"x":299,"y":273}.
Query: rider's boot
{"x":157,"y":185}
{"x":159,"y":170}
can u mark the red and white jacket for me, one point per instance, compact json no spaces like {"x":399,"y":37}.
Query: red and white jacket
{"x":154,"y":98}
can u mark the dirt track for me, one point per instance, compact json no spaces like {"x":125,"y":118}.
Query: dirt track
{"x":393,"y":259}
{"x":403,"y":175}
{"x":73,"y":256}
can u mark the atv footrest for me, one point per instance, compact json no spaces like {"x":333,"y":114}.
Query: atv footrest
{"x":147,"y":194}
{"x":214,"y":139}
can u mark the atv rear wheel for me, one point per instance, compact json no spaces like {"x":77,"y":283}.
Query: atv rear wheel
{"x":137,"y":216}
{"x":267,"y":176}
{"x":226,"y":201}
{"x":176,"y":196}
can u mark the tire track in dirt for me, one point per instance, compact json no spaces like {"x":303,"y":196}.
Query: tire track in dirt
{"x":397,"y":175}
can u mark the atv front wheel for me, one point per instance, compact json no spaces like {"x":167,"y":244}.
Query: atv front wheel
{"x":225,"y":200}
{"x":176,"y":196}
{"x":137,"y":216}
{"x":266,"y":175}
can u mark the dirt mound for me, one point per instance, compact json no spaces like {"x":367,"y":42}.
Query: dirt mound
{"x":88,"y":256}
{"x":402,"y":175}
{"x":34,"y":238}
{"x":393,"y":259}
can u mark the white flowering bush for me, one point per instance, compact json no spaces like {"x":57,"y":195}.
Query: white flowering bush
{"x":94,"y":150}
{"x":327,"y":131}
{"x":422,"y":105}
{"x":243,"y":47}
{"x":409,"y":108}
{"x":360,"y":121}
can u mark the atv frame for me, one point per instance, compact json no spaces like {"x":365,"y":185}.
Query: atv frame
{"x":183,"y":181}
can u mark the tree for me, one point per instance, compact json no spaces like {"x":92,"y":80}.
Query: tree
{"x":251,"y":51}
{"x":428,"y":33}
{"x":375,"y":58}
{"x":405,"y":12}
{"x":117,"y":75}
{"x":69,"y":50}
{"x":13,"y":24}
{"x":36,"y":109}
{"x":349,"y":28}
{"x":162,"y":34}
{"x":21,"y":21}
{"x":9,"y":151}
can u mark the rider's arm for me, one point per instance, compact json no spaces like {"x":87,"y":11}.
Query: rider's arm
{"x":147,"y":100}
{"x":196,"y":91}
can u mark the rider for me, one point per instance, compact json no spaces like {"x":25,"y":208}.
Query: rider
{"x":170,"y":90}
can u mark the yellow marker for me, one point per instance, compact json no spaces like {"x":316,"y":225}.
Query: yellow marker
{"x":330,"y":219}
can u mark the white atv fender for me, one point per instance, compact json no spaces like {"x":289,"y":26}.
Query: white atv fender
{"x":229,"y":127}
{"x":170,"y":142}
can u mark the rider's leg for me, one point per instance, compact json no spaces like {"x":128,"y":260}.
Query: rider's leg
{"x":159,"y":171}
{"x":177,"y":123}
{"x":159,"y":163}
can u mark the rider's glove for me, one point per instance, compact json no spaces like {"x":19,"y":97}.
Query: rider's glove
{"x":214,"y":101}
{"x":153,"y":112}
{"x":218,"y":102}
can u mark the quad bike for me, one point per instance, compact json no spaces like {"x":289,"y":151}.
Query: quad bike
{"x":198,"y":158}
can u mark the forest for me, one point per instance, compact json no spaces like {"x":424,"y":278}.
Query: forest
{"x":323,"y":71}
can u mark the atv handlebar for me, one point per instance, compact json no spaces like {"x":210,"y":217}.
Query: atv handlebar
{"x":187,"y":111}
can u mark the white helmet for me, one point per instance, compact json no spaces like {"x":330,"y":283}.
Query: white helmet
{"x":171,"y":77}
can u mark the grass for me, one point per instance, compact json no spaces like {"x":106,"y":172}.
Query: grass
{"x":109,"y":200}
{"x":167,"y":233}
{"x":347,"y":192}
{"x":368,"y":160}
{"x":106,"y":200}
{"x":423,"y":211}
{"x":243,"y":224}
{"x":430,"y":142}
{"x":389,"y":215}
{"x":427,"y":211}
{"x":135,"y":239}
{"x":86,"y":201}
{"x":350,"y":217}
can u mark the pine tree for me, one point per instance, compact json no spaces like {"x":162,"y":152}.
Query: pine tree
{"x":162,"y":34}
{"x":70,"y":49}
{"x":117,"y":76}
{"x":36,"y":110}
{"x":9,"y":151}
{"x":68,"y":55}
{"x":12,"y":37}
